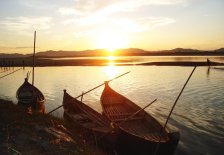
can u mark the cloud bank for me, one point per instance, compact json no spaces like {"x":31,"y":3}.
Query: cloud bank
{"x":26,"y":24}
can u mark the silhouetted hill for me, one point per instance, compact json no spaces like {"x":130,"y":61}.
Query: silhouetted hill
{"x":70,"y":53}
{"x":14,"y":55}
{"x":219,"y":50}
{"x":119,"y":52}
{"x":176,"y":50}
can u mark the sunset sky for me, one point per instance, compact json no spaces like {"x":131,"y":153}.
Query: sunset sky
{"x":111,"y":24}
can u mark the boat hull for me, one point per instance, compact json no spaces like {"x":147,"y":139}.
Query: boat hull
{"x":92,"y":123}
{"x":133,"y":145}
{"x":141,"y":133}
{"x":103,"y":139}
{"x":30,"y":96}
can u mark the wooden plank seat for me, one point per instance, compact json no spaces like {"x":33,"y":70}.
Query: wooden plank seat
{"x":114,"y":102}
{"x":130,"y":119}
{"x":124,"y":116}
{"x":118,"y":109}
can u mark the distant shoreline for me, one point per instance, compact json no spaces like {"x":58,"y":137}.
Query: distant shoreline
{"x":182,"y":63}
{"x":117,"y":52}
{"x":100,"y":62}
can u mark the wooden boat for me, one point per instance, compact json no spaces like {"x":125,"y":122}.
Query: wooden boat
{"x":30,"y":96}
{"x":89,"y":120}
{"x":142,"y":133}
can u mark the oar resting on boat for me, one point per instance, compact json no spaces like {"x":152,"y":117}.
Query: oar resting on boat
{"x":140,"y":133}
{"x":78,"y":113}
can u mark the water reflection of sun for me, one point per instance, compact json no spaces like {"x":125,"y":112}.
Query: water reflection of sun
{"x":111,"y":60}
{"x":110,"y":57}
{"x":111,"y":70}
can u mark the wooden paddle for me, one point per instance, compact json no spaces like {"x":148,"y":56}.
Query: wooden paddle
{"x":89,"y":91}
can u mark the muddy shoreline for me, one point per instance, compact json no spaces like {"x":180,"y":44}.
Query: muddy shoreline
{"x":23,"y":133}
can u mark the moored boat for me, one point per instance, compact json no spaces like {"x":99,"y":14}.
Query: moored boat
{"x":141,"y":134}
{"x":89,"y":120}
{"x":30,"y":96}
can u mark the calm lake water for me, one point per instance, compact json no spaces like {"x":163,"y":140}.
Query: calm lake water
{"x":199,"y":113}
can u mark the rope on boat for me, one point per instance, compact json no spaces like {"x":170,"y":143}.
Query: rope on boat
{"x":162,"y":129}
{"x":87,"y":92}
{"x":10,"y":73}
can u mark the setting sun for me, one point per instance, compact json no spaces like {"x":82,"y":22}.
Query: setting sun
{"x":111,"y":41}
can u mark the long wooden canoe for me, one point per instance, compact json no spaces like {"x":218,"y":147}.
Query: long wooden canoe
{"x":89,"y":120}
{"x":30,"y":96}
{"x":142,"y":133}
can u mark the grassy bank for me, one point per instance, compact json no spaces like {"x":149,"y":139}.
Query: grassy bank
{"x":23,"y":133}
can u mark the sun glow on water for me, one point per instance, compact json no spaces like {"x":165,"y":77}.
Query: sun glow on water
{"x":111,"y":71}
{"x":111,"y":58}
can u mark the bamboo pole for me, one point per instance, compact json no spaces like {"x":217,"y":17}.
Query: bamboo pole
{"x":178,"y":97}
{"x":137,"y":112}
{"x":157,"y":147}
{"x":10,"y":73}
{"x":34,"y":50}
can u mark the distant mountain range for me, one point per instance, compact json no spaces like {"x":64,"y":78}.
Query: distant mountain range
{"x":119,"y":52}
